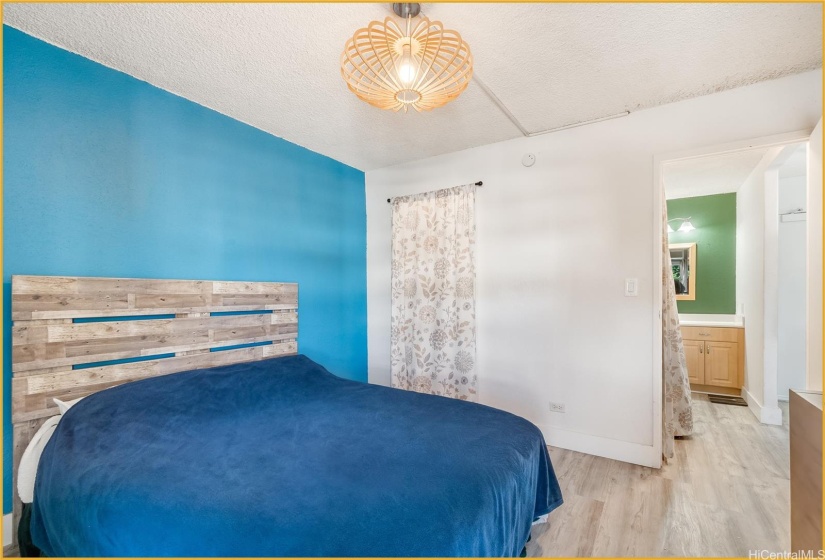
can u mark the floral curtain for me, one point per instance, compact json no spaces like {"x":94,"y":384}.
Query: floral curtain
{"x":433,"y":293}
{"x":677,"y":417}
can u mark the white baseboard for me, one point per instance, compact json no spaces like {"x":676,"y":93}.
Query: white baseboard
{"x":771,"y":415}
{"x":625,"y":451}
{"x":765,"y":414}
{"x":753,"y":405}
{"x":7,"y":529}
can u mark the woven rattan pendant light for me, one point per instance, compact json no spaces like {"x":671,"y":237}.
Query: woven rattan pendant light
{"x":416,"y":63}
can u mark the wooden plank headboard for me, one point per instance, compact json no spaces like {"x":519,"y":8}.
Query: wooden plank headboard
{"x":65,"y":330}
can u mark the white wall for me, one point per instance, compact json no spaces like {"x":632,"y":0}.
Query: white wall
{"x":769,"y":412}
{"x":791,"y":352}
{"x":750,"y":239}
{"x":758,"y":281}
{"x":814,"y":303}
{"x":750,"y":280}
{"x":555,"y":243}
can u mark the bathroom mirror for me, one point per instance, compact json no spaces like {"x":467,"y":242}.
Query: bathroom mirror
{"x":683,"y":265}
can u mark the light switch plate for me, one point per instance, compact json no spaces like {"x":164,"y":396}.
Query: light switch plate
{"x":631,"y":287}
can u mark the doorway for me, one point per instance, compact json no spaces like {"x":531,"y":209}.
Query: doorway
{"x":743,"y":322}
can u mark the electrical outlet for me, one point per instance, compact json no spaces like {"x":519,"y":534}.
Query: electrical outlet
{"x":556,"y":407}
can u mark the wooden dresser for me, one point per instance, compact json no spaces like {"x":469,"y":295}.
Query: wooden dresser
{"x":715,"y":358}
{"x":806,"y":471}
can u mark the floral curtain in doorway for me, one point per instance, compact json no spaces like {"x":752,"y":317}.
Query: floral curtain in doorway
{"x":433,"y":293}
{"x":677,"y":417}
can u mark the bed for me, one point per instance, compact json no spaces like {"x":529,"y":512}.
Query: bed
{"x":204,"y":448}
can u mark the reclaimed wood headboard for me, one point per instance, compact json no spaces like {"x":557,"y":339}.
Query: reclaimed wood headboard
{"x":66,"y":330}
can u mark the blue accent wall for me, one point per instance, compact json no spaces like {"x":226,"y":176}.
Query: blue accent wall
{"x":106,"y":175}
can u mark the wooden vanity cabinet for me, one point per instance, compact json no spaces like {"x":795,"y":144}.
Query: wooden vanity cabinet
{"x":695,"y":354}
{"x":715,"y":358}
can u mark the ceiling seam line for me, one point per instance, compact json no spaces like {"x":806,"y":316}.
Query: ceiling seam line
{"x":498,"y":102}
{"x":500,"y":105}
{"x":582,"y":123}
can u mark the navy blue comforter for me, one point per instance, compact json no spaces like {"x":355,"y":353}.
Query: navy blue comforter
{"x":281,"y":458}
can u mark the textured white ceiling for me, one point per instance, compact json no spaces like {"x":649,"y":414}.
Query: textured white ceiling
{"x":708,"y":175}
{"x":275,"y":66}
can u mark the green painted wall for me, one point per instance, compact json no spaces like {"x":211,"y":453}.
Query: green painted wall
{"x":714,"y":218}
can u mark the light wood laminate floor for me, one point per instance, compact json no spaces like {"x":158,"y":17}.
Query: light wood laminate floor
{"x":726,"y":492}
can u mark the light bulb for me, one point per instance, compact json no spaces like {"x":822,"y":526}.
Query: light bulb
{"x":406,"y":72}
{"x":686,"y":227}
{"x":406,"y":67}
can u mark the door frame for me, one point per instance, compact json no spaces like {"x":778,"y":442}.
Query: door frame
{"x":775,"y":140}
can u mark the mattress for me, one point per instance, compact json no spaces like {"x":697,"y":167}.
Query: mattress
{"x":281,"y":458}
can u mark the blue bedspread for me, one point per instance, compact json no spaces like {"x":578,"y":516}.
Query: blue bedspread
{"x":281,"y":458}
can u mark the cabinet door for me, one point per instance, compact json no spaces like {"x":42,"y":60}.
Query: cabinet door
{"x":695,"y":354}
{"x":722,"y":364}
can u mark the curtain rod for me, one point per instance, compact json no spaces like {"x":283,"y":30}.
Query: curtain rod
{"x":477,"y":183}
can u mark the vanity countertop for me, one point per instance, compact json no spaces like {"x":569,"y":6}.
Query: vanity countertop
{"x":729,"y":321}
{"x":727,"y":324}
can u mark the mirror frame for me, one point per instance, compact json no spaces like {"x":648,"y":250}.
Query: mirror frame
{"x":691,"y":247}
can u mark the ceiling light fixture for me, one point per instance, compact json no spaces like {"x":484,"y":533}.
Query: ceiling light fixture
{"x":422,"y":66}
